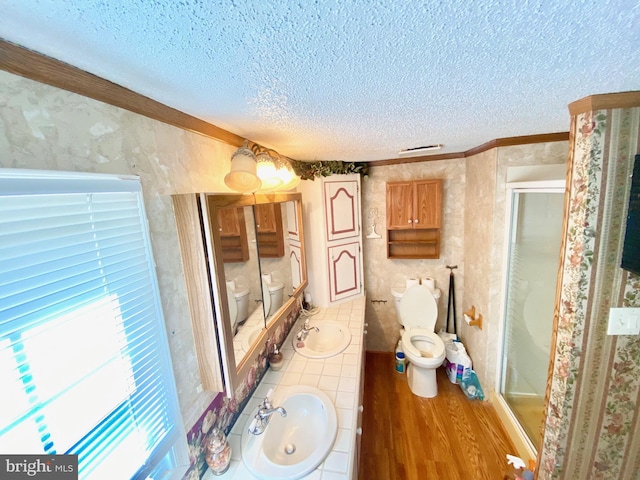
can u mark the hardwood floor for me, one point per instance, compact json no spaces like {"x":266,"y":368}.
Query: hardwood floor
{"x":407,"y":437}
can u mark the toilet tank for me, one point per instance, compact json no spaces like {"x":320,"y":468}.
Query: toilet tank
{"x":242,"y":303}
{"x":276,"y":290}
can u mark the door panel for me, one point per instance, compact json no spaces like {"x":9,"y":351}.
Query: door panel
{"x":344,"y":271}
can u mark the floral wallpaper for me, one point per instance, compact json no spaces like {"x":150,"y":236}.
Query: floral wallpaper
{"x":224,"y":411}
{"x":594,"y":382}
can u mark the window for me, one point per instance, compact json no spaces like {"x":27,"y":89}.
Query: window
{"x":84,"y":361}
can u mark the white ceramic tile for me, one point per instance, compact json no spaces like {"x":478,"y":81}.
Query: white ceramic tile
{"x":297,"y":364}
{"x":347,"y":385}
{"x":290,"y":378}
{"x":349,"y":371}
{"x":352,"y":349}
{"x":343,"y":440}
{"x":345,"y":417}
{"x":327,"y":475}
{"x":272,"y":377}
{"x":309,"y":379}
{"x":344,"y":399}
{"x":240,"y":422}
{"x":235,"y":442}
{"x":332,"y":369}
{"x":336,"y":462}
{"x":335,"y":359}
{"x":315,"y":368}
{"x":328,"y":383}
{"x":350,"y":359}
{"x":315,"y":475}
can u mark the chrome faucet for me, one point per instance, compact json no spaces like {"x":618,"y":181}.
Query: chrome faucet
{"x":261,"y":420}
{"x":304,"y":331}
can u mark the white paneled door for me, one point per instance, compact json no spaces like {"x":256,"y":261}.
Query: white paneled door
{"x":344,"y":271}
{"x":342,"y":209}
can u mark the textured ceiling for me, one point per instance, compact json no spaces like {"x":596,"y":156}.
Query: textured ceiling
{"x":348,"y":80}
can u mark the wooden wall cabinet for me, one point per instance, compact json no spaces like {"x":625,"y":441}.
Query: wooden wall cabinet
{"x":233,"y":235}
{"x":414,"y":217}
{"x":269,"y":230}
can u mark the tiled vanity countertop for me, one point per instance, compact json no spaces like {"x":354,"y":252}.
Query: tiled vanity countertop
{"x":339,"y":377}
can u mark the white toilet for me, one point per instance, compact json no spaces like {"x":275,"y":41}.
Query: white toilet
{"x":238,"y":299}
{"x":275,"y":290}
{"x":424,"y":349}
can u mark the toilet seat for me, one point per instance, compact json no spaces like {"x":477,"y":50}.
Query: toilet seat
{"x":413,"y":353}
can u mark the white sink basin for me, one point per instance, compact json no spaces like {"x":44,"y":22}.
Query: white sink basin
{"x":292,"y":446}
{"x":330,"y":339}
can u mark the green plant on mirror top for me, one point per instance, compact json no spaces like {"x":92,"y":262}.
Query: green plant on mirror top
{"x":311,"y":170}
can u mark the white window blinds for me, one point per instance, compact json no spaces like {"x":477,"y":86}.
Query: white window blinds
{"x":84,"y":362}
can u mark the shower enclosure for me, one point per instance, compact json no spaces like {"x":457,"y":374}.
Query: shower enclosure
{"x":536,"y":212}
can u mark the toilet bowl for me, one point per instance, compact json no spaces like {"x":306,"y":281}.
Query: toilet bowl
{"x":424,"y":349}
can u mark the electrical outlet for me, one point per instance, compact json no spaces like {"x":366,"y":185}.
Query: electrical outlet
{"x":624,"y":321}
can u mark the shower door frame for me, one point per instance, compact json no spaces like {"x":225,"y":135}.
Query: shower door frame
{"x":513,"y":188}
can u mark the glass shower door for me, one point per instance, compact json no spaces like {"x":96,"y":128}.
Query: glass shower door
{"x":534,"y":255}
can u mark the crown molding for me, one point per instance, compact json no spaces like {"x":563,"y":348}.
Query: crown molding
{"x":35,"y":66}
{"x":605,"y":101}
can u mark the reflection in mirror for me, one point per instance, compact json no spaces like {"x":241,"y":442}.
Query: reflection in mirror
{"x":279,"y":251}
{"x":241,"y":276}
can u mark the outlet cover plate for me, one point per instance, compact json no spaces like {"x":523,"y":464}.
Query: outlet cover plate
{"x":624,"y":321}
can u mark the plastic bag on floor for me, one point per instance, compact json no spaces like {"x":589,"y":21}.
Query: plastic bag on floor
{"x":471,"y":385}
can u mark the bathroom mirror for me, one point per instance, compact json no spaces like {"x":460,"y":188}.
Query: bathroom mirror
{"x":278,"y":242}
{"x":240,"y":279}
{"x":242,"y":257}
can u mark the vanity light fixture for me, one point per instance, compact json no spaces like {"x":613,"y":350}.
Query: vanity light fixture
{"x":242,"y":176}
{"x":255,"y":169}
{"x":267,"y":172}
{"x":416,"y":151}
{"x":285,"y":172}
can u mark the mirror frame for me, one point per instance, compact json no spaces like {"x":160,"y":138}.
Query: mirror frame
{"x":209,"y":204}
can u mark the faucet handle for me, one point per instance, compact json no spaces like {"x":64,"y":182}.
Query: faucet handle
{"x":306,"y":324}
{"x":266,"y":403}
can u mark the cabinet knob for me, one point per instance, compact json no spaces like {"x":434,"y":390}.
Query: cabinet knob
{"x":361,"y":408}
{"x":410,"y":221}
{"x":364,"y":333}
{"x":359,"y":430}
{"x":415,"y":221}
{"x":366,"y":324}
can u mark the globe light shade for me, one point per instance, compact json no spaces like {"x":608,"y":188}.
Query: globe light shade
{"x":242,"y":176}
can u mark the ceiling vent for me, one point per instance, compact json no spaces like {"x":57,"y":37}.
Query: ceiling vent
{"x":414,"y":152}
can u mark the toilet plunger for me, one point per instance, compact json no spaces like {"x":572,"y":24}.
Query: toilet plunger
{"x":451,"y":305}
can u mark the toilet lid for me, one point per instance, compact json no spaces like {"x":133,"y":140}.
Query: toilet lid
{"x":418,"y":308}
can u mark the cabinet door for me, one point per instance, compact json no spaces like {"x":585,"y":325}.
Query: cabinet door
{"x":400,"y":205}
{"x":344,"y":271}
{"x":233,"y":235}
{"x":427,"y":200}
{"x":266,"y":217}
{"x":229,"y":221}
{"x":342,"y":209}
